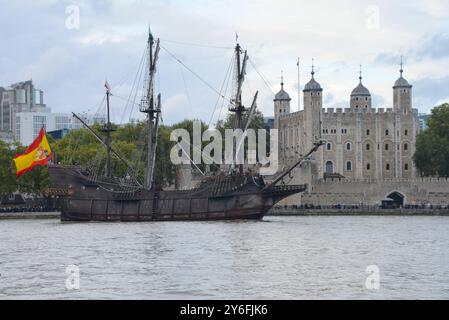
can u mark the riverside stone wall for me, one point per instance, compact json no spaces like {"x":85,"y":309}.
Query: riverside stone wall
{"x":423,"y":191}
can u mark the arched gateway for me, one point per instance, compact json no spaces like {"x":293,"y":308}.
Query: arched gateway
{"x":397,"y":199}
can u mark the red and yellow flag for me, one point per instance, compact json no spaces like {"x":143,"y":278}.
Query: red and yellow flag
{"x":38,"y":153}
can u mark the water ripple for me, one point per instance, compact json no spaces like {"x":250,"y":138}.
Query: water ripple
{"x":279,"y":258}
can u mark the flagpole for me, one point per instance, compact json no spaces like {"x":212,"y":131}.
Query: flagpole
{"x":299,"y":88}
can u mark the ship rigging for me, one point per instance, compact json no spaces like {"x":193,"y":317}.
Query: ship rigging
{"x":88,"y":196}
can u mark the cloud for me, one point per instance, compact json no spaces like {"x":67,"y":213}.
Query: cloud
{"x":387,"y":58}
{"x":328,"y":99}
{"x":435,"y":47}
{"x":378,"y":101}
{"x":438,"y":87}
{"x":100,"y":37}
{"x":71,"y":65}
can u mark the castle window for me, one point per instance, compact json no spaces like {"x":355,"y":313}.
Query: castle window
{"x":405,"y":147}
{"x":329,"y":147}
{"x":405,"y":132}
{"x":357,"y":106}
{"x":368,"y":166}
{"x":357,"y":99}
{"x":387,"y":132}
{"x":348,"y":146}
{"x":366,"y":106}
{"x":367,"y":132}
{"x":368,"y":146}
{"x":344,"y":131}
{"x":388,"y":167}
{"x":349,"y":166}
{"x":387,"y":146}
{"x":180,"y":153}
{"x":329,"y":167}
{"x":366,"y":98}
{"x":406,"y":167}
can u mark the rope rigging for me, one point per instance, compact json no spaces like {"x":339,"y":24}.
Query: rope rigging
{"x":195,"y":74}
{"x":265,"y":81}
{"x":186,"y":88}
{"x":135,"y":85}
{"x":224,"y":86}
{"x":197,"y":45}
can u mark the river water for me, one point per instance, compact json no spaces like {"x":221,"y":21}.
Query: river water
{"x":278,"y":258}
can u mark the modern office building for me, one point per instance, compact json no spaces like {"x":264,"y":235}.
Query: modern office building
{"x":28,"y":124}
{"x":423,"y":118}
{"x":23,"y":113}
{"x":17,"y":98}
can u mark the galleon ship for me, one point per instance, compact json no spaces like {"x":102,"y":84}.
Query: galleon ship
{"x":90,"y":196}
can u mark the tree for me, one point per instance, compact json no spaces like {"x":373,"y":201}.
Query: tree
{"x":257,"y":123}
{"x":79,"y":147}
{"x":432,"y":145}
{"x":32,"y":183}
{"x":7,"y":171}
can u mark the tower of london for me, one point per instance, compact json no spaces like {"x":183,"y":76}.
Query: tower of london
{"x":361,"y":142}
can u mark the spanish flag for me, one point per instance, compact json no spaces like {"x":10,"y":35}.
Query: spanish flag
{"x":38,"y":153}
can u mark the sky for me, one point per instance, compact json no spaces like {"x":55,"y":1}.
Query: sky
{"x":69,"y":49}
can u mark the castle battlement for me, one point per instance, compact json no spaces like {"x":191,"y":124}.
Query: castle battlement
{"x":378,"y":181}
{"x":350,"y":111}
{"x":291,"y":115}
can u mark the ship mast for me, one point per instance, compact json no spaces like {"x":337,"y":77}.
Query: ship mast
{"x":107,"y":128}
{"x":238,"y":108}
{"x":148,"y":107}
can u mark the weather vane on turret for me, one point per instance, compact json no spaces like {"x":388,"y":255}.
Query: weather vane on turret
{"x":402,"y":65}
{"x":282,"y":79}
{"x":313,"y":67}
{"x":360,"y":74}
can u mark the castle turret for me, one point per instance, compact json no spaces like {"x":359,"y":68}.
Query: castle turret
{"x":281,"y":104}
{"x":402,"y":94}
{"x":360,"y":96}
{"x":313,"y":104}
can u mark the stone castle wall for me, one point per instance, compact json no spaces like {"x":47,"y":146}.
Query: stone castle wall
{"x":421,"y":191}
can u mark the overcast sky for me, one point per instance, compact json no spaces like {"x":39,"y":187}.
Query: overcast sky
{"x":41,"y":40}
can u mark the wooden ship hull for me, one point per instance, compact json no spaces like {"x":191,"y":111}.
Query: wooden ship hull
{"x":220,"y":198}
